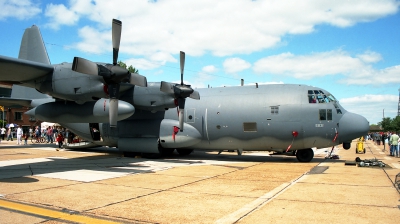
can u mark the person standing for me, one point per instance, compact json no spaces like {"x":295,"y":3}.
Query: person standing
{"x":49,"y":135}
{"x":394,"y":142}
{"x":19,"y":135}
{"x":3,"y":133}
{"x":30,"y":132}
{"x":9,"y":135}
{"x":60,"y":140}
{"x":384,"y":137}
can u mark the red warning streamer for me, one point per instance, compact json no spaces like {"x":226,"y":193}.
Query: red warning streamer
{"x":175,"y":131}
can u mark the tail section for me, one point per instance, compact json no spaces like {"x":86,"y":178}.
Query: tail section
{"x":32,"y":46}
{"x":32,"y":49}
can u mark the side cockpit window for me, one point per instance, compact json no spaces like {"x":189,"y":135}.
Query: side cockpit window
{"x":338,"y":110}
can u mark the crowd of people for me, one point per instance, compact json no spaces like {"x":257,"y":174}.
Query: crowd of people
{"x":60,"y":135}
{"x":390,"y":138}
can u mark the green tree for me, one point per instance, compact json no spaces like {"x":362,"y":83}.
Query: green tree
{"x":396,"y":124}
{"x":386,"y":124}
{"x":131,"y":69}
{"x":389,"y":124}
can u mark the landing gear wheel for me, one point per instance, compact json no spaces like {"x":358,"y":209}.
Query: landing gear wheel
{"x":184,"y":152}
{"x":305,"y":155}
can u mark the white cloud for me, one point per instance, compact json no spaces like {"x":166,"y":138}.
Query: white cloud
{"x":93,"y":41}
{"x":370,"y":57}
{"x":20,"y":9}
{"x":308,"y":66}
{"x":142,"y":63}
{"x":60,"y":15}
{"x":355,"y":70}
{"x":209,"y":69}
{"x":234,"y":65}
{"x":222,"y":27}
{"x":373,"y":107}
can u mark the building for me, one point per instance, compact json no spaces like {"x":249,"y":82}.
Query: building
{"x":16,"y":114}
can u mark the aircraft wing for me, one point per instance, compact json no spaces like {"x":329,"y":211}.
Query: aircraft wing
{"x":15,"y":102}
{"x":14,"y":70}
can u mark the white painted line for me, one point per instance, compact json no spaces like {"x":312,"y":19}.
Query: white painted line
{"x":396,"y":165}
{"x":27,"y":161}
{"x":84,"y":175}
{"x":235,"y":216}
{"x":258,"y":203}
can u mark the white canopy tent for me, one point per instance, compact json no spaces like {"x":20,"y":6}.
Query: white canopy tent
{"x":45,"y":125}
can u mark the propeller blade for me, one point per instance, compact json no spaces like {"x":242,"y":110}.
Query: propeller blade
{"x":116,"y":38}
{"x":85,"y":66}
{"x":167,"y":87}
{"x":181,"y":105}
{"x":113,"y":90}
{"x":182,"y":60}
{"x":138,"y":80}
{"x":195,"y":95}
{"x":181,"y":115}
{"x":113,"y":112}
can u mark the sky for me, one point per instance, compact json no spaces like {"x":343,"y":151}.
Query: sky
{"x":351,"y":48}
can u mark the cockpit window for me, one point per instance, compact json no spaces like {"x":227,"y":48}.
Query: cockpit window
{"x":318,"y":96}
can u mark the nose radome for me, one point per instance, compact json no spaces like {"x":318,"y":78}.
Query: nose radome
{"x":352,"y":126}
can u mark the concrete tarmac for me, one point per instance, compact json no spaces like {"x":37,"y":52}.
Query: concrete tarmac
{"x":41,"y":185}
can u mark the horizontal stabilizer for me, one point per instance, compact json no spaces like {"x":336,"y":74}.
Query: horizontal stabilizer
{"x":16,"y":102}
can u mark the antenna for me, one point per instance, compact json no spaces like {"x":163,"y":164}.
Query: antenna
{"x":398,"y":108}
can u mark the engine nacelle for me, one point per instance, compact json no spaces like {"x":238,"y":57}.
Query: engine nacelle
{"x":89,"y":112}
{"x":149,"y":98}
{"x":171,"y":139}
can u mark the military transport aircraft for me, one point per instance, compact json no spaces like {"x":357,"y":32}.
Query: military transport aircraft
{"x":137,"y":116}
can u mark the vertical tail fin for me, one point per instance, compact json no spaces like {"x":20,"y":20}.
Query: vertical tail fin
{"x":32,"y":46}
{"x":32,"y":49}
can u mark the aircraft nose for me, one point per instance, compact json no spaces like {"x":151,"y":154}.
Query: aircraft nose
{"x":352,"y":126}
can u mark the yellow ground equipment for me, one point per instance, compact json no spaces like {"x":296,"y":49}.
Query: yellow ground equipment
{"x":360,"y":146}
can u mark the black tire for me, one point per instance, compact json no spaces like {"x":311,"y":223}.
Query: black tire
{"x":184,"y":152}
{"x":42,"y":139}
{"x":305,"y":155}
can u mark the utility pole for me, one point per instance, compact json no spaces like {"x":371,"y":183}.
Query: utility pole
{"x":398,"y":108}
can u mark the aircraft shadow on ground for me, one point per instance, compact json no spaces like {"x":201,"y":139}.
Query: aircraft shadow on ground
{"x":113,"y":161}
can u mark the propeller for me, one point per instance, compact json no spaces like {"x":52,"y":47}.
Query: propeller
{"x":180,"y":91}
{"x":112,"y":74}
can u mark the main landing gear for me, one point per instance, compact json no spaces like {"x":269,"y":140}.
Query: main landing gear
{"x":305,"y":155}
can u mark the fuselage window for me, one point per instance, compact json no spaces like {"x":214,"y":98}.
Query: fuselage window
{"x":325,"y":114}
{"x":274,"y":110}
{"x":250,"y":127}
{"x":329,"y":114}
{"x":322,"y":114}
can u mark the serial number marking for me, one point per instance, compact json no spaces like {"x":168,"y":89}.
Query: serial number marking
{"x":319,"y":125}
